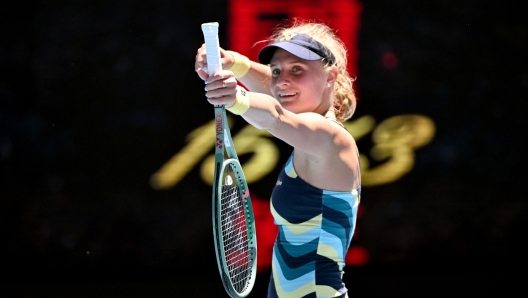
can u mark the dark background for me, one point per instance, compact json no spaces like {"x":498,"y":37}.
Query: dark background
{"x":96,"y":95}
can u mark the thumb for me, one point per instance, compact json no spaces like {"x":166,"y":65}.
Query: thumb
{"x":202,"y":73}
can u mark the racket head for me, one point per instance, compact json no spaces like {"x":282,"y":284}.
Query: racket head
{"x":234,"y":228}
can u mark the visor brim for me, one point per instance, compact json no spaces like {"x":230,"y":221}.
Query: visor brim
{"x":266,"y":53}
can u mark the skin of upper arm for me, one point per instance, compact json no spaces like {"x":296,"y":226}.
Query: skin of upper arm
{"x":309,"y":132}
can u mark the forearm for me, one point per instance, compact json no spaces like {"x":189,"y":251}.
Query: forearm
{"x":253,"y":75}
{"x":257,"y":79}
{"x":259,"y":109}
{"x":264,"y":111}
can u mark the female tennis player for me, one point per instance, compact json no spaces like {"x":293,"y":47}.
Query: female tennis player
{"x":300,"y":91}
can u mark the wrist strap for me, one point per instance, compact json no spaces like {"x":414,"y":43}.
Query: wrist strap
{"x":240,"y":65}
{"x":241,"y":104}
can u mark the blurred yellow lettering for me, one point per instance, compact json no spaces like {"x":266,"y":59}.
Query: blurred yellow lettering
{"x":395,"y":141}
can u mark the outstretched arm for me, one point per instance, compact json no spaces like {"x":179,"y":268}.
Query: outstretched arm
{"x":308,"y":132}
{"x":256,"y":79}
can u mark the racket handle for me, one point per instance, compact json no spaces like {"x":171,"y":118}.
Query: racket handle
{"x":212,"y":47}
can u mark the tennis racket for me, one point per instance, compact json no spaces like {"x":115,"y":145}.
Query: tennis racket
{"x":235,"y":237}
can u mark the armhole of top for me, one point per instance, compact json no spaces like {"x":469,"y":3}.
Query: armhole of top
{"x":339,"y":123}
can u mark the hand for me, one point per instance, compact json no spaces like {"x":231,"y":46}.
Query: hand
{"x":221,"y":88}
{"x":200,"y":64}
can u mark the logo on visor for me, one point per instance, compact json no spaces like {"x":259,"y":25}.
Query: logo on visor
{"x":287,"y":36}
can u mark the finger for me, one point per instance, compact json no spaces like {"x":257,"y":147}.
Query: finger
{"x":221,"y":76}
{"x":204,"y":75}
{"x":200,"y":59}
{"x":218,"y":92}
{"x":224,"y":100}
{"x":201,"y":53}
{"x":220,"y":88}
{"x":217,"y":81}
{"x":227,"y":59}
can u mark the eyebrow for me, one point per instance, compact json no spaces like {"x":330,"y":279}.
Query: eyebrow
{"x":296,"y":61}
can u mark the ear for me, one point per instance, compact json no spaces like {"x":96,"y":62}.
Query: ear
{"x":332,"y":75}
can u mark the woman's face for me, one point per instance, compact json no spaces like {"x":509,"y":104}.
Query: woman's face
{"x":299,"y":85}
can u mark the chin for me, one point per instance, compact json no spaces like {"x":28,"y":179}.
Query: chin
{"x":289,"y":106}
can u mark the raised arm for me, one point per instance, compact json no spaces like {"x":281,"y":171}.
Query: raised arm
{"x":256,"y":78}
{"x":309,"y":132}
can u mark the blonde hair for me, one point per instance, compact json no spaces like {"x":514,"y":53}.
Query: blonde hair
{"x":344,"y":98}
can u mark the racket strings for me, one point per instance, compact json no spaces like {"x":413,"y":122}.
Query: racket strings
{"x":235,"y":237}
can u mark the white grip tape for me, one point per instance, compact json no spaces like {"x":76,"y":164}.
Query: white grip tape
{"x":212,"y":47}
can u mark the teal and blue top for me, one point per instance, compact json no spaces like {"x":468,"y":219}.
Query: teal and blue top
{"x":315,"y":228}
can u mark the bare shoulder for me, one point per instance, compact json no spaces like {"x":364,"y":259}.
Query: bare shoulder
{"x":335,"y":166}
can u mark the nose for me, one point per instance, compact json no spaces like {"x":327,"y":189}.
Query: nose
{"x":282,"y":79}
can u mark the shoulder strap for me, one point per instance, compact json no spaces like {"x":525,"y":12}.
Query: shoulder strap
{"x":333,"y":120}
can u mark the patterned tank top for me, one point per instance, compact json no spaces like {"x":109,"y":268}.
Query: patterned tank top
{"x":315,"y":228}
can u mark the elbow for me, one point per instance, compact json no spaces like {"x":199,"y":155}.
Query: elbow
{"x":268,"y":121}
{"x":276,"y":118}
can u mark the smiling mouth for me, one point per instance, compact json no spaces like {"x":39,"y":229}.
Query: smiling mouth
{"x":286,"y":95}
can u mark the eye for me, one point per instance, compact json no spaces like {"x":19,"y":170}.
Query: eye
{"x":296,"y":69}
{"x":275,"y":72}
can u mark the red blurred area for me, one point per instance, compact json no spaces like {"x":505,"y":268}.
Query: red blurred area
{"x":266,"y":232}
{"x":357,"y":256}
{"x":389,"y":60}
{"x":252,"y":21}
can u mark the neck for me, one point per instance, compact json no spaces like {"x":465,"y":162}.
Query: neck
{"x":326,"y":108}
{"x":330,"y":114}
